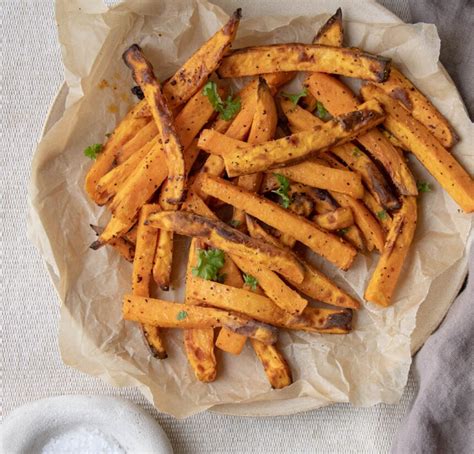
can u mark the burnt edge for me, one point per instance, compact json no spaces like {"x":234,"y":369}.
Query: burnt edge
{"x":341,"y":319}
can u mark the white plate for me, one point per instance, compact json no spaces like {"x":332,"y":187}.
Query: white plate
{"x":62,"y":424}
{"x":444,"y":288}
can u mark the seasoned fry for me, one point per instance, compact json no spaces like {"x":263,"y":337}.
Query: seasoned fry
{"x":274,"y":364}
{"x":353,"y":62}
{"x":144,"y":136}
{"x":323,"y":243}
{"x":264,"y":310}
{"x":416,"y":137}
{"x":316,"y":285}
{"x":353,"y":156}
{"x":172,"y":315}
{"x":319,"y":176}
{"x":124,"y":247}
{"x":382,"y":284}
{"x":258,"y":232}
{"x":221,"y":236}
{"x":263,"y":129}
{"x":194,"y":73}
{"x":398,"y":87}
{"x":332,"y":32}
{"x":199,"y":343}
{"x":141,"y":276}
{"x":338,"y":99}
{"x":112,"y":181}
{"x":282,"y":295}
{"x":173,"y":149}
{"x":126,"y":129}
{"x":340,"y":218}
{"x":384,"y":218}
{"x":241,"y":159}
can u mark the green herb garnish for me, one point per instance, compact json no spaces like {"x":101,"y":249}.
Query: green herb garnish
{"x":250,"y":281}
{"x":382,"y":215}
{"x":321,"y":112}
{"x":295,"y":97}
{"x":227,"y":109}
{"x":343,"y":231}
{"x":209,"y":263}
{"x":356,"y":152}
{"x":282,"y":191}
{"x":181,"y":315}
{"x":423,"y":186}
{"x":235,"y":223}
{"x":93,"y":150}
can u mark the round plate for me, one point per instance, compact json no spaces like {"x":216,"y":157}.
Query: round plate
{"x":77,"y":421}
{"x":445,"y":287}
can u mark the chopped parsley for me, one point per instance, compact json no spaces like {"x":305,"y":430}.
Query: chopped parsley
{"x":423,"y":186}
{"x":382,"y":215}
{"x":209,"y":263}
{"x":282,"y":191}
{"x":321,"y":112}
{"x":227,"y":109}
{"x":234,"y":223}
{"x":250,"y":281}
{"x":356,"y":152}
{"x":93,"y":150}
{"x":295,"y":97}
{"x":181,"y":315}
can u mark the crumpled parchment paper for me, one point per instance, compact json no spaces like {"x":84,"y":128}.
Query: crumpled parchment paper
{"x":368,"y":366}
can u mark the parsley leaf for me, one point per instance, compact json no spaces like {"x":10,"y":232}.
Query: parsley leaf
{"x":356,"y":152}
{"x":209,"y":263}
{"x":382,"y":215}
{"x":181,"y":315}
{"x":282,"y":191}
{"x":250,"y":281}
{"x":234,"y":223}
{"x":295,"y":97}
{"x":321,"y":112}
{"x":227,"y":109}
{"x":93,"y":150}
{"x":423,"y":186}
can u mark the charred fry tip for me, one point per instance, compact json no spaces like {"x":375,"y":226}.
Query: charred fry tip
{"x":237,"y":14}
{"x":97,"y":229}
{"x":158,"y":354}
{"x":341,"y":319}
{"x":133,"y":51}
{"x":338,"y":13}
{"x":96,"y":245}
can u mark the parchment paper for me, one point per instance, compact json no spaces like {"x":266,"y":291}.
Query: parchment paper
{"x":366,"y":367}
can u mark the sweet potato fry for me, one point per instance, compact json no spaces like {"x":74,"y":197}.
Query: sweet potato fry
{"x":384,"y":217}
{"x":332,"y":32}
{"x":398,"y":87}
{"x":220,"y":235}
{"x":112,"y":181}
{"x":263,"y":129}
{"x":353,"y":62}
{"x":199,"y":343}
{"x":258,"y":232}
{"x":194,"y":73}
{"x":264,"y":310}
{"x":141,"y":138}
{"x":141,"y":276}
{"x":274,"y":364}
{"x":173,"y":149}
{"x":282,"y":295}
{"x":338,"y":219}
{"x":316,"y":285}
{"x":123,"y":246}
{"x":383,"y":281}
{"x":172,"y":315}
{"x":323,"y":243}
{"x":126,"y":129}
{"x":319,"y":176}
{"x":241,"y":159}
{"x":437,"y":160}
{"x":338,"y":99}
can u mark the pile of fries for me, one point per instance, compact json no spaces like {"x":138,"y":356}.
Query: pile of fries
{"x":254,"y":178}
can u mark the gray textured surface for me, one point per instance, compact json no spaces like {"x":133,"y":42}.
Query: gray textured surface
{"x":32,"y":368}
